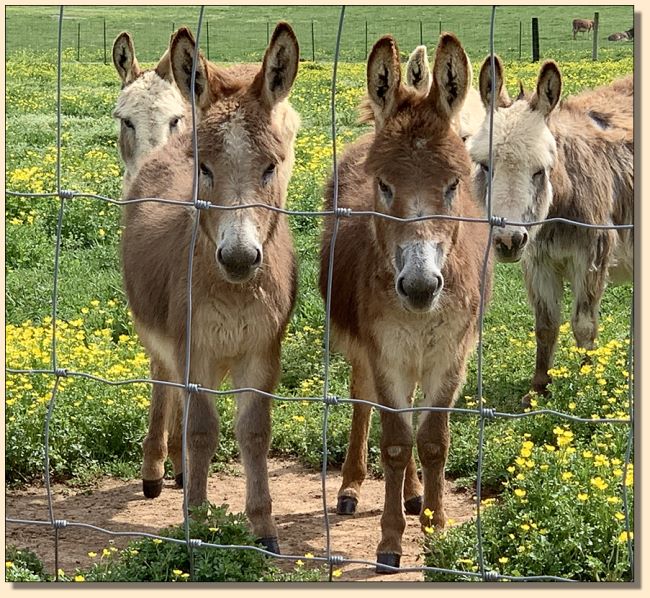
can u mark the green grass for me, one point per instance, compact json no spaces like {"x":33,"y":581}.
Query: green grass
{"x":240,"y":32}
{"x":98,"y":429}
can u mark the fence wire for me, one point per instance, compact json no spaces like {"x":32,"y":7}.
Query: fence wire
{"x":329,"y":558}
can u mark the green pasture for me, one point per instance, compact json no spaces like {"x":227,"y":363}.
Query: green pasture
{"x":555,"y":486}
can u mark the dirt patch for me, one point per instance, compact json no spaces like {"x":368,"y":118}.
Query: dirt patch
{"x":297,"y":505}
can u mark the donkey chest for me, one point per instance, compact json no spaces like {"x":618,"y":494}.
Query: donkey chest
{"x":420,"y":345}
{"x":231,"y":328}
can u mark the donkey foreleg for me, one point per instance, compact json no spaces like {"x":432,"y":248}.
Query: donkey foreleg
{"x":393,"y":390}
{"x":253,"y":432}
{"x":544,"y":286}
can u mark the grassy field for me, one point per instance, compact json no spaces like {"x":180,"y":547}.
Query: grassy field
{"x":556,"y":486}
{"x":241,"y":32}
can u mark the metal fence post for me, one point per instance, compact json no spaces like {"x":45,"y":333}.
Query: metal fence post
{"x":268,"y":33}
{"x":313,"y":48}
{"x":78,"y":39}
{"x":421,"y":38}
{"x":366,"y":40}
{"x":520,"y":32}
{"x":104,"y":40}
{"x":535,"y":40}
{"x":594,"y":49}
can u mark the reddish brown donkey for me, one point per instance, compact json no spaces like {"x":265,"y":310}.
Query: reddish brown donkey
{"x":244,"y":273}
{"x":584,"y":25}
{"x":405,"y":296}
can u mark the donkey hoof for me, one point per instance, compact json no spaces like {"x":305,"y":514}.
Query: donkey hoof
{"x":152,"y":488}
{"x":413,"y":506}
{"x":270,"y":543}
{"x":387,"y":558}
{"x":178,"y":478}
{"x":346,"y":505}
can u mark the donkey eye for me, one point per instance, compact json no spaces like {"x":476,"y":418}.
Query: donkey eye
{"x":539,"y":173}
{"x":451,"y":191}
{"x":268,"y":173}
{"x":173,"y":123}
{"x":205,"y":171}
{"x":485,"y":168}
{"x":385,"y":190}
{"x":128,"y":124}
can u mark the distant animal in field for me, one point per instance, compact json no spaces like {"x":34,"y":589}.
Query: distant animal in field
{"x":471,"y":114}
{"x":622,"y":35}
{"x":244,"y":269}
{"x":582,"y":25}
{"x":405,"y":296}
{"x":150,"y":107}
{"x":572,"y":159}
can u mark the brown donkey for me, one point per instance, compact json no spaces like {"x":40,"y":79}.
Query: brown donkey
{"x":405,"y":296}
{"x":244,"y":273}
{"x":574,"y":160}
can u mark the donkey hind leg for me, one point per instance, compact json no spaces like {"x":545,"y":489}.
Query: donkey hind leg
{"x":355,"y":465}
{"x":588,"y":285}
{"x":545,"y":289}
{"x":175,"y":442}
{"x":154,"y":447}
{"x":253,"y":432}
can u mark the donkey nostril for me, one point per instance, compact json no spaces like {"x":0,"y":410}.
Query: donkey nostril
{"x":258,"y":258}
{"x":437,"y":283}
{"x":525,"y":238}
{"x":400,"y":286}
{"x":220,"y":255}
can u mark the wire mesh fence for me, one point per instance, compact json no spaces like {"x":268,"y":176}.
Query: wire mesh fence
{"x":190,"y":387}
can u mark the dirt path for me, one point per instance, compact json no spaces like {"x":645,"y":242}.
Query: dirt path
{"x":297,"y":505}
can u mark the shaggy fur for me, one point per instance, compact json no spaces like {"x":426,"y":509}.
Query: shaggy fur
{"x":405,"y":296}
{"x":572,"y":159}
{"x":244,"y":272}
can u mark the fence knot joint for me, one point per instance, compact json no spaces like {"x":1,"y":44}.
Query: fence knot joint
{"x":336,"y":560}
{"x":61,"y":372}
{"x":192,"y":388}
{"x":201,"y":204}
{"x":59,"y":523}
{"x":490,"y":576}
{"x":331,"y":400}
{"x":195,"y":543}
{"x":499,"y":221}
{"x":66,"y":194}
{"x":343,"y":212}
{"x":488,"y":412}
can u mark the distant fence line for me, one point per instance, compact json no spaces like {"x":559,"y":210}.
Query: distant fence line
{"x":91,"y":39}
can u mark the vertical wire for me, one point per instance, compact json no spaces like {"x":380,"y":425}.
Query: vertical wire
{"x":57,"y":251}
{"x":479,"y":474}
{"x":328,"y":296}
{"x":188,"y":321}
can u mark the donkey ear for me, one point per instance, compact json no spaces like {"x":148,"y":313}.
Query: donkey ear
{"x":280,"y":64}
{"x":181,"y":51}
{"x":124,"y":59}
{"x":384,"y":78}
{"x":451,"y":76}
{"x":417,"y":69}
{"x":501,"y":97}
{"x":164,"y":67}
{"x":549,"y":88}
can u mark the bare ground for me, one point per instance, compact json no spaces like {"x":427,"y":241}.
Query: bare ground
{"x":297,"y":505}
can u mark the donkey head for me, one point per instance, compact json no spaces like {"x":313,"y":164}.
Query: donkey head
{"x":418,"y":165}
{"x":245,"y":138}
{"x":150,"y":107}
{"x":524,"y":153}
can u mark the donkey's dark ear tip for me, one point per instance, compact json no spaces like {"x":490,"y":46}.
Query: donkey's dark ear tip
{"x":123,"y":35}
{"x":183,"y":33}
{"x":550,"y":66}
{"x":283,"y":28}
{"x":448,"y":38}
